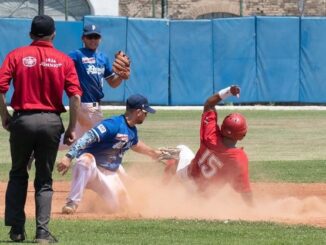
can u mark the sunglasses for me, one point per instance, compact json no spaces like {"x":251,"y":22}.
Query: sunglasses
{"x":145,"y":112}
{"x":93,"y":37}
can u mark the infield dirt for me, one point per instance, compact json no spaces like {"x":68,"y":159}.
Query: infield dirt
{"x":276,"y":202}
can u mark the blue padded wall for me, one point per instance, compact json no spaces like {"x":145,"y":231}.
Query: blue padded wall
{"x":313,"y":60}
{"x":191,"y":61}
{"x":278,"y":59}
{"x":114,"y":38}
{"x":148,"y":47}
{"x":182,"y":62}
{"x":67,"y":38}
{"x":68,"y":35}
{"x":234,"y":47}
{"x":14,"y":33}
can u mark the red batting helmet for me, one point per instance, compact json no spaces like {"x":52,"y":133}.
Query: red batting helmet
{"x":234,"y":126}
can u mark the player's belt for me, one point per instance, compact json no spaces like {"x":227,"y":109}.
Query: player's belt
{"x":24,"y":112}
{"x":94,"y":104}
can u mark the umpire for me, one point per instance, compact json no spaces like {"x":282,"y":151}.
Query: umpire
{"x":40,"y":74}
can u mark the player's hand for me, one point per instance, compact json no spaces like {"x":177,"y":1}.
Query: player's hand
{"x":6,"y":120}
{"x":121,"y":65}
{"x":69,"y":137}
{"x":157,"y":154}
{"x":235,"y":90}
{"x":64,"y":165}
{"x":167,"y":153}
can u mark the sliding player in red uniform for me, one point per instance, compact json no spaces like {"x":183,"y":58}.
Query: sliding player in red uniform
{"x":218,"y":161}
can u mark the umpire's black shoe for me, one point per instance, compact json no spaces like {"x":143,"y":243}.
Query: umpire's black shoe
{"x":44,"y":237}
{"x":17,"y":233}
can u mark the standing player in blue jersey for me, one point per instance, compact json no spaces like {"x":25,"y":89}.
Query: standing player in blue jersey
{"x":99,"y":155}
{"x":93,"y":67}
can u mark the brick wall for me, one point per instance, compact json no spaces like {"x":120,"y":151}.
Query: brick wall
{"x":190,"y":9}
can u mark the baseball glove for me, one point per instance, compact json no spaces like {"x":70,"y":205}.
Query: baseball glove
{"x":168,"y":153}
{"x":121,"y":65}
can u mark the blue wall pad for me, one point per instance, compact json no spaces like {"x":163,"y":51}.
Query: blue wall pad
{"x":182,"y":62}
{"x":191,"y":61}
{"x":234,"y":48}
{"x":68,"y":38}
{"x":313,"y":60}
{"x":114,"y":38}
{"x":68,"y":35}
{"x":278,"y":59}
{"x":14,"y":33}
{"x":148,"y":47}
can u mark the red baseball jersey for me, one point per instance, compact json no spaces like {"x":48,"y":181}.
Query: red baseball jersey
{"x":216,"y":164}
{"x":40,"y":74}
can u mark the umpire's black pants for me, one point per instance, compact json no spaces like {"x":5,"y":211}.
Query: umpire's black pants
{"x":39,"y":132}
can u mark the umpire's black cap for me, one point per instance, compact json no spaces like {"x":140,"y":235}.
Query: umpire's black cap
{"x":42,"y":25}
{"x":138,"y":101}
{"x":91,"y":30}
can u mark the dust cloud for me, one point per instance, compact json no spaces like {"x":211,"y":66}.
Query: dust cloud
{"x":293,"y":203}
{"x":154,"y":198}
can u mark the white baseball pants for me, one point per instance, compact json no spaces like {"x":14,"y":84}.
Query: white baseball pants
{"x":186,"y":156}
{"x":107,"y":184}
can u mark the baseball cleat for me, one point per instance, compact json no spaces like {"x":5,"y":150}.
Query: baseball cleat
{"x":17,"y":233}
{"x":69,"y":208}
{"x":44,"y":237}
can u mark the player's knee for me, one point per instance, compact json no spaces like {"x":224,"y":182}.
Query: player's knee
{"x":86,"y":160}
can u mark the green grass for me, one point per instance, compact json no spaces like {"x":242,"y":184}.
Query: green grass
{"x":288,"y":171}
{"x":282,"y":146}
{"x":176,"y":232}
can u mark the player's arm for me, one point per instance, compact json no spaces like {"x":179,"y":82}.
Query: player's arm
{"x":70,"y":135}
{"x":5,"y":116}
{"x":144,"y":149}
{"x":114,"y":80}
{"x":6,"y":72}
{"x":87,"y":139}
{"x":74,"y":92}
{"x":241,"y":182}
{"x":212,"y":101}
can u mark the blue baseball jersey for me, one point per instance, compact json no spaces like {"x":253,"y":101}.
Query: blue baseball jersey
{"x":114,"y":138}
{"x":92,"y":68}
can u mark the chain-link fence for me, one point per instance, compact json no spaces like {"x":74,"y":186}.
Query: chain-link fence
{"x":181,"y":9}
{"x":58,"y":9}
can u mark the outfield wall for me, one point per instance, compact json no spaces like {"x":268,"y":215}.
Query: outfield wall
{"x":182,"y":62}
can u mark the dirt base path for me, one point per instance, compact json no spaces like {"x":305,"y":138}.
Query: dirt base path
{"x":277,"y":202}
